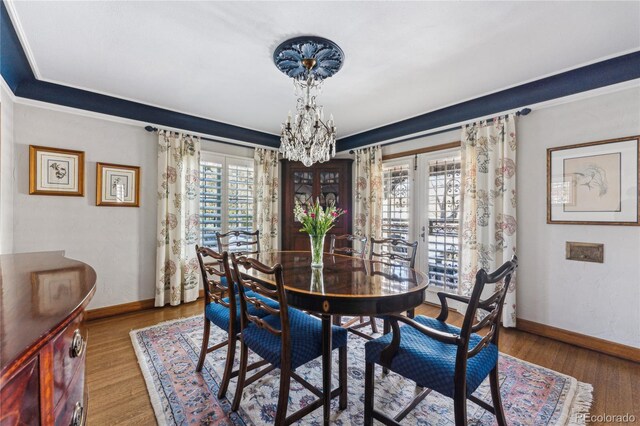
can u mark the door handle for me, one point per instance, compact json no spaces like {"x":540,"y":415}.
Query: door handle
{"x":423,"y":234}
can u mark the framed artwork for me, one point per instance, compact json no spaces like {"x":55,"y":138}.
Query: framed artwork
{"x":117,"y":185}
{"x":53,"y":289}
{"x":55,"y":171}
{"x":594,"y":183}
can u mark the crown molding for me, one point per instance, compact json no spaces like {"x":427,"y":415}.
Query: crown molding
{"x":583,"y":79}
{"x":19,"y":76}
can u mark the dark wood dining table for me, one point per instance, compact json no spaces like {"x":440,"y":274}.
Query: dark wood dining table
{"x":344,"y":286}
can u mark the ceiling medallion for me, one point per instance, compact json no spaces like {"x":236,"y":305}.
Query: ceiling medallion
{"x":308,"y":60}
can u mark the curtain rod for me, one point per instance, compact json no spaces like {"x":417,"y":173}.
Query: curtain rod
{"x":155,"y":129}
{"x":523,"y":111}
{"x":248,"y":145}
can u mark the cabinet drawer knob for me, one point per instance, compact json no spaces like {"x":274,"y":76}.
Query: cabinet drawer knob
{"x":77,"y":344}
{"x":78,"y":415}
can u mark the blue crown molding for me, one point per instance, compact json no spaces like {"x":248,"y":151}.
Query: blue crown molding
{"x":14,"y":65}
{"x":611,"y":71}
{"x":16,"y":71}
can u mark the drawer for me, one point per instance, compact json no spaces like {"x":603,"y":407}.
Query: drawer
{"x":72,"y":409}
{"x":69,"y":351}
{"x":20,"y":397}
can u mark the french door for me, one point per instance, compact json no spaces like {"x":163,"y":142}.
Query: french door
{"x":422,"y":202}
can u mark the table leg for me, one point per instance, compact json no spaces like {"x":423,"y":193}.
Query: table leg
{"x":326,"y":367}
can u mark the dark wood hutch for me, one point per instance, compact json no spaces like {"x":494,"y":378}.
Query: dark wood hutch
{"x":328,"y":182}
{"x":43,"y":338}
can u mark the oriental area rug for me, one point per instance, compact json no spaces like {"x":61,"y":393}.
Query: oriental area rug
{"x":168,"y":353}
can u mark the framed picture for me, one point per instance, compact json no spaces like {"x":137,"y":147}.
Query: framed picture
{"x":594,"y":183}
{"x":117,"y":185}
{"x":53,"y":289}
{"x":55,"y":171}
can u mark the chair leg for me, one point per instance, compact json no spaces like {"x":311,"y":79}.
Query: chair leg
{"x":411,"y":313}
{"x":386,"y":329}
{"x":494,"y":381}
{"x":460,"y":409}
{"x":242,"y":374}
{"x":342,"y":376}
{"x":228,"y":366}
{"x":205,"y":345}
{"x":283,"y":396}
{"x":368,"y":393}
{"x":374,"y":326}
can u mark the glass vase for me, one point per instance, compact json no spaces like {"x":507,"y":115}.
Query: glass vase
{"x":317,"y":247}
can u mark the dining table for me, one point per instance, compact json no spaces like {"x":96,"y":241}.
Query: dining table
{"x":343,"y":286}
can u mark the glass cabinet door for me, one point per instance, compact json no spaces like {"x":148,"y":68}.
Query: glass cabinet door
{"x":330,"y":188}
{"x":302,"y":187}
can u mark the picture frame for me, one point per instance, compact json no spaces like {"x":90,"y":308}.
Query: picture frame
{"x":56,"y":171}
{"x":594,"y":183}
{"x":117,"y":185}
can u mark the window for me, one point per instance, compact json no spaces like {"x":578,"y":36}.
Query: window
{"x":443,"y":207}
{"x":226,"y":196}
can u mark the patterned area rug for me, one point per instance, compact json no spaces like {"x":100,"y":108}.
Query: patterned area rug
{"x":168,"y":353}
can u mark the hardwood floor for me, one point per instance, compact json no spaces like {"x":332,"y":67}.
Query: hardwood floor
{"x":118,"y":395}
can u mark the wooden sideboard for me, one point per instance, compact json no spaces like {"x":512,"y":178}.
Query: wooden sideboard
{"x":329,"y":182}
{"x":43,"y":338}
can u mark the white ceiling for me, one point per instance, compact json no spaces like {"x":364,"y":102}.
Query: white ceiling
{"x":213,"y":59}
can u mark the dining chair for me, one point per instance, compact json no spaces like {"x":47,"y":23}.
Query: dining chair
{"x":441,"y":357}
{"x":285,"y":337}
{"x":352,"y":250}
{"x":221,"y":309}
{"x":394,"y":251}
{"x":239,"y":242}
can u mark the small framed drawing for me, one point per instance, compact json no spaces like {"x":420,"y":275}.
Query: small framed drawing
{"x":117,"y":185}
{"x":55,"y":171}
{"x":594,"y":183}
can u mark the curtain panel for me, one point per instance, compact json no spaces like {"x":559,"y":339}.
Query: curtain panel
{"x":266,"y":214}
{"x":488,"y":232}
{"x":368,"y":193}
{"x":177,"y":276}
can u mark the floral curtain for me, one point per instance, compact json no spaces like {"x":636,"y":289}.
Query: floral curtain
{"x":177,"y":278}
{"x":266,"y":215}
{"x":488,"y":234}
{"x":368,"y":193}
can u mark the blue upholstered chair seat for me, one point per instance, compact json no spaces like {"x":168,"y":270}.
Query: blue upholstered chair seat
{"x":219,"y":315}
{"x":306,"y":338}
{"x":431,"y":363}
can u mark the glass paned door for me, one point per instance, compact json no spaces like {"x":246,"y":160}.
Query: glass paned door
{"x":438,"y":210}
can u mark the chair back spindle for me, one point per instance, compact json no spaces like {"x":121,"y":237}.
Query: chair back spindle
{"x":239,"y":242}
{"x":491,"y":308}
{"x":394,"y":251}
{"x":245,"y":283}
{"x":216,"y":276}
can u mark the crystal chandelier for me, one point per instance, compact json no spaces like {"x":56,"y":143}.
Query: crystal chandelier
{"x":307,"y":137}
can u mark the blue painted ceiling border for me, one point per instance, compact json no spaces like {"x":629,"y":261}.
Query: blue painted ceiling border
{"x":605,"y":73}
{"x":16,"y":71}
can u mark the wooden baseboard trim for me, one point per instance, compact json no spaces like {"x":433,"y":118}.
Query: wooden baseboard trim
{"x":125,"y":308}
{"x":595,"y":344}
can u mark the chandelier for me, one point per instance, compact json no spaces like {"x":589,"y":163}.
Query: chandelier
{"x":308,"y":60}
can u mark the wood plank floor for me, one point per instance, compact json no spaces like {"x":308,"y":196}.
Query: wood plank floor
{"x":118,"y":394}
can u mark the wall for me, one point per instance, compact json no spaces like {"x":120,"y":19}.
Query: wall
{"x":120,"y":243}
{"x":600,"y":300}
{"x":7,"y":178}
